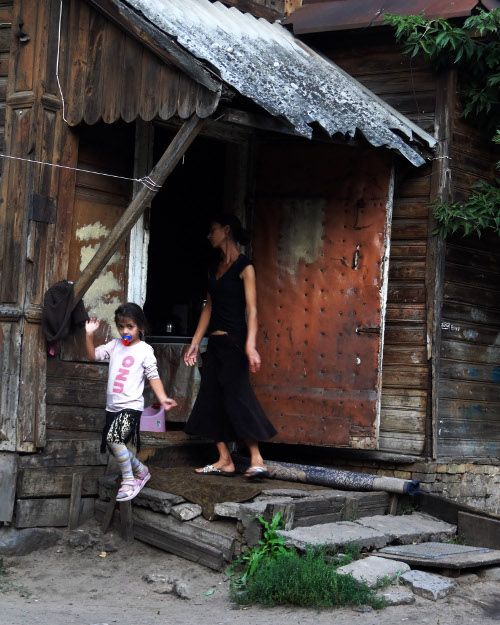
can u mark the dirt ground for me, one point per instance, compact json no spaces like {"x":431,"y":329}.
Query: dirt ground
{"x":62,"y":585}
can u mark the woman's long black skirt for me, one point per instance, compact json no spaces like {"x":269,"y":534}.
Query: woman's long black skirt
{"x":226,"y":408}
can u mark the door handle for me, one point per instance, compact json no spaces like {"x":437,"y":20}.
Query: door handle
{"x":375,"y":330}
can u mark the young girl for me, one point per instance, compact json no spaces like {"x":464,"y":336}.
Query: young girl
{"x":131,"y":360}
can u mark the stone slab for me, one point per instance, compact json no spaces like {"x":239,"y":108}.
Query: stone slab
{"x":397,"y":597}
{"x":463,"y":561}
{"x":373,"y":570}
{"x":334,"y":535}
{"x":428,"y":585}
{"x":186,"y":511}
{"x":411,"y":528}
{"x":491,"y":574}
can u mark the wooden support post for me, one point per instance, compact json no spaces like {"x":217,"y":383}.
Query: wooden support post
{"x":140,"y":202}
{"x":75,"y":499}
{"x":108,"y":515}
{"x":393,"y":504}
{"x":126,"y":521}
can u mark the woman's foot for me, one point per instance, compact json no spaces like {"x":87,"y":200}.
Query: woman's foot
{"x":227,"y":466}
{"x":256,"y":472}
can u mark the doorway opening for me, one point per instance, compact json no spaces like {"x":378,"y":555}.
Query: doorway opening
{"x":179,"y":251}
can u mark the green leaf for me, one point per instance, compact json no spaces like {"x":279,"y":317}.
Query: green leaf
{"x":209,"y":592}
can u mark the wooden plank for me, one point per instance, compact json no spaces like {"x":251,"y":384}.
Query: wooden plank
{"x":409,"y":443}
{"x":48,"y":512}
{"x":405,"y":314}
{"x":410,"y":209}
{"x":402,"y":293}
{"x":398,"y":355}
{"x":75,"y":501}
{"x":479,"y":334}
{"x":79,"y":16}
{"x":10,"y":363}
{"x":77,"y":393}
{"x":109,"y":510}
{"x":168,"y":91}
{"x":66,"y":370}
{"x":409,"y":229}
{"x":484,"y":432}
{"x":94,"y":87}
{"x":472,"y":276}
{"x":470,"y":295}
{"x":405,"y":377}
{"x":167,"y":163}
{"x":126,"y":521}
{"x":132,"y":68}
{"x":398,"y":420}
{"x":471,"y":391}
{"x":8,"y":472}
{"x":57,"y":481}
{"x":156,"y":41}
{"x":404,"y":270}
{"x":404,"y":398}
{"x":408,"y":249}
{"x":74,"y":418}
{"x":66,"y":453}
{"x":479,"y":531}
{"x":398,"y":334}
{"x":485,"y":260}
{"x":114,"y":85}
{"x":462,"y":351}
{"x":151,"y":79}
{"x":456,"y":370}
{"x":446,"y":509}
{"x":470,"y":313}
{"x":463,"y":409}
{"x":463,"y":449}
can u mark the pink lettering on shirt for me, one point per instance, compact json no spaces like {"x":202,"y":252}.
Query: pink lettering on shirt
{"x":127,"y":362}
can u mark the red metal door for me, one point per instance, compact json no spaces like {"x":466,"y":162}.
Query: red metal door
{"x":320,"y":227}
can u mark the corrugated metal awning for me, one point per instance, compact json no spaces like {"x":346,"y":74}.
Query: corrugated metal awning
{"x":267,"y":64}
{"x":323,"y":16}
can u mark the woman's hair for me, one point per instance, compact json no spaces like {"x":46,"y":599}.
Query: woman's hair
{"x":239,"y":234}
{"x":134,"y":312}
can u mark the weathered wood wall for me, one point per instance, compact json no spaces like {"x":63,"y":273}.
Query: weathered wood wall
{"x":110,"y":75}
{"x":410,"y":87}
{"x":469,"y":378}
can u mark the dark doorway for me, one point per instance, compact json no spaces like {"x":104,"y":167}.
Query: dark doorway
{"x":179,"y":251}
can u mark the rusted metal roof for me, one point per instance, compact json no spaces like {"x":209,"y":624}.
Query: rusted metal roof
{"x":267,"y":64}
{"x":315,"y":17}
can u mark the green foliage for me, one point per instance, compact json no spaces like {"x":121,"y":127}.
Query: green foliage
{"x":481,"y":211}
{"x":475,"y":49}
{"x":305,"y":580}
{"x":271,"y":546}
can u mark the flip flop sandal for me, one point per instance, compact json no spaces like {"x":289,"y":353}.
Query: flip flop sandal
{"x":256,"y":473}
{"x":142,"y":477}
{"x":209,"y":469}
{"x":125,"y":494}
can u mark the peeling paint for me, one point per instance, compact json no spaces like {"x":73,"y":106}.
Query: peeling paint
{"x":98,"y":299}
{"x":302,"y":229}
{"x":471,"y":334}
{"x":95,"y":231}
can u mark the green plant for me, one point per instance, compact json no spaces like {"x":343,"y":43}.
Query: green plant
{"x":406,"y":510}
{"x":305,"y":580}
{"x":475,"y":49}
{"x":272,"y":545}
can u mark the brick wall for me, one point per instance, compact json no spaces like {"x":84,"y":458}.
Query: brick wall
{"x":476,"y":485}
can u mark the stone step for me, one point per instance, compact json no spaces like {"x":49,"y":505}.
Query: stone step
{"x":373,"y":532}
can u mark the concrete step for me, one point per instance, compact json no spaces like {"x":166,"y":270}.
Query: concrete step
{"x":372,"y":532}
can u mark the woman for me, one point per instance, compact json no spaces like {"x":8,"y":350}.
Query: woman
{"x":226,"y":408}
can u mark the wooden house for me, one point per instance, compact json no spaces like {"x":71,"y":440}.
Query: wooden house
{"x":128,"y":123}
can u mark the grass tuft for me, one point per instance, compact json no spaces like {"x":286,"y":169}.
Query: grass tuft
{"x":303,"y":580}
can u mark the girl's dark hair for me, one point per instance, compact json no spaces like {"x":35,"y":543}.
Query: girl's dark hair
{"x":239,"y":234}
{"x":134,"y":312}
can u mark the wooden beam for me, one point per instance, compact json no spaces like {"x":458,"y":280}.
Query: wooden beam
{"x":140,"y":202}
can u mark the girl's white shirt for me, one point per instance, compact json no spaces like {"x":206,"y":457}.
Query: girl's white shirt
{"x":129,"y":366}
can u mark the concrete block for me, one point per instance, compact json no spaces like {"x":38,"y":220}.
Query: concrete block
{"x":157,"y":500}
{"x":186,"y":511}
{"x":491,"y":574}
{"x":397,"y":597}
{"x":411,"y":528}
{"x":428,"y":585}
{"x":373,"y":570}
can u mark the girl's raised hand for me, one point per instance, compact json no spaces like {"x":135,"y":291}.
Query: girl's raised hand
{"x":191,"y":355}
{"x":91,"y":325}
{"x":168,"y":404}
